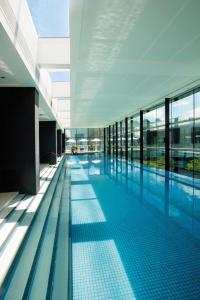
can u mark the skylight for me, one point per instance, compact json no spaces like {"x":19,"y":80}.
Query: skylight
{"x":51,"y":17}
{"x":60,"y":76}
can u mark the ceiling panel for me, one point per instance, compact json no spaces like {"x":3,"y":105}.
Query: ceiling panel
{"x":126,"y":55}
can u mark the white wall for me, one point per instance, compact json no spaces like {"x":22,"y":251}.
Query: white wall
{"x":17,"y":22}
{"x":54,"y":51}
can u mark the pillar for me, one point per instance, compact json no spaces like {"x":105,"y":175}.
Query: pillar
{"x":63,"y":142}
{"x":48,"y":142}
{"x":59,"y":142}
{"x":19,"y":151}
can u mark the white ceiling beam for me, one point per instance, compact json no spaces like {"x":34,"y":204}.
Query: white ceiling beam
{"x":54,"y":53}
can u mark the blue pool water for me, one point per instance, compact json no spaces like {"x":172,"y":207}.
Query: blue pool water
{"x":135,"y":232}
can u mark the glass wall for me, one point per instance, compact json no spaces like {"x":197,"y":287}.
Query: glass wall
{"x":112,"y":139}
{"x":196,"y":135}
{"x":181,"y":135}
{"x":119,"y":125}
{"x":123,"y":139}
{"x":184,"y":135}
{"x":85,"y":139}
{"x":154,"y":137}
{"x":136,"y":138}
{"x":130,"y":138}
{"x":107,"y":140}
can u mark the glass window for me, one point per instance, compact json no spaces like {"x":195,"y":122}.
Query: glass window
{"x":130,"y":138}
{"x":119,"y":139}
{"x":181,"y":135}
{"x":114,"y":139}
{"x":136,"y":138}
{"x":196,"y":136}
{"x":182,"y":110}
{"x":184,"y":136}
{"x":123,"y":139}
{"x":154,"y":137}
{"x":85,"y":139}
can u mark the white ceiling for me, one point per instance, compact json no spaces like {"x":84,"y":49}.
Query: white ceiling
{"x":126,"y":54}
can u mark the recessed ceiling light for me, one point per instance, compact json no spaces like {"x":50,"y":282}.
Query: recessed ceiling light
{"x":2,"y":77}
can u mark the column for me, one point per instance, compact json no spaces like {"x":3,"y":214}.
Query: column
{"x":63,"y":142}
{"x":59,"y":142}
{"x":48,"y":142}
{"x":19,"y":151}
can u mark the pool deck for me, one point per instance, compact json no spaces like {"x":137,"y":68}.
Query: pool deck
{"x":34,"y":236}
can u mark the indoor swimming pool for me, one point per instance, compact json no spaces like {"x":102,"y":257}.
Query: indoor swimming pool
{"x":135,"y":231}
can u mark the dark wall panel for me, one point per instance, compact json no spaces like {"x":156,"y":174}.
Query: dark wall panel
{"x":19,"y":151}
{"x":48,"y":142}
{"x":63,"y":142}
{"x":59,"y":142}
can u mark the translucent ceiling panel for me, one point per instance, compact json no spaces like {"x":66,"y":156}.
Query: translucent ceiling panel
{"x":63,"y":105}
{"x":51,"y":17}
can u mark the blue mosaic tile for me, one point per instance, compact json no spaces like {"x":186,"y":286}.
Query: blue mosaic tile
{"x":133,"y":245}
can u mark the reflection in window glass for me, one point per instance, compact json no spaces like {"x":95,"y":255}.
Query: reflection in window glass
{"x":114,"y":139}
{"x":130,"y":138}
{"x":181,"y":135}
{"x":119,"y":125}
{"x":123,"y":139}
{"x":85,"y":139}
{"x":182,"y":110}
{"x":196,"y":136}
{"x":136,"y":138}
{"x":184,"y":136}
{"x":154,"y":137}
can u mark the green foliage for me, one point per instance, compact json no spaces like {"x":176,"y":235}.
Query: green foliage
{"x":194,"y":163}
{"x":159,"y":163}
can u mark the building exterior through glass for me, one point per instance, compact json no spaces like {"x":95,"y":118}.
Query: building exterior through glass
{"x":147,"y":135}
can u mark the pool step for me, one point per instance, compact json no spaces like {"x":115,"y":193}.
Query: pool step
{"x":41,"y":259}
{"x":17,"y":219}
{"x":58,"y":282}
{"x":6,"y":198}
{"x":38,"y":280}
{"x":9,"y":208}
